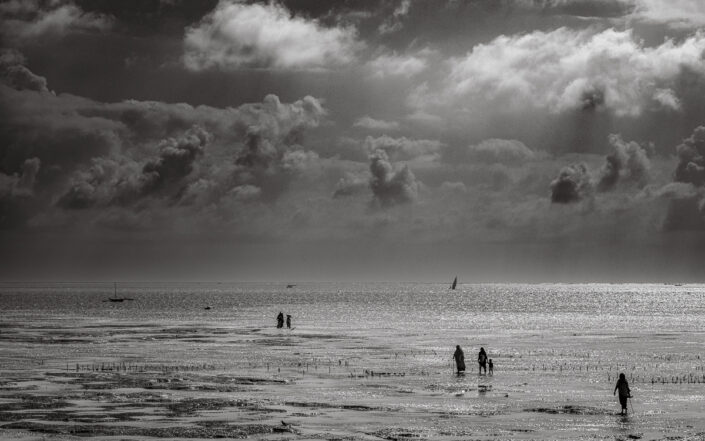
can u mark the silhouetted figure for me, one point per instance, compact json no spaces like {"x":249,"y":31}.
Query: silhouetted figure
{"x":482,"y":360}
{"x":491,"y":366}
{"x":288,"y":321}
{"x":459,"y":357}
{"x":280,"y":320}
{"x":624,"y":392}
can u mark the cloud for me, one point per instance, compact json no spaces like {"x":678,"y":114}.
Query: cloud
{"x":389,"y":186}
{"x":393,"y":23}
{"x":244,"y":193}
{"x":350,"y":185}
{"x":109,"y":182}
{"x":15,"y":74}
{"x":500,"y":151}
{"x":691,"y":159}
{"x":686,"y":210}
{"x":239,"y":35}
{"x":629,"y":162}
{"x":567,"y":69}
{"x":388,"y":65}
{"x":30,"y":19}
{"x":676,"y":13}
{"x":366,"y":122}
{"x":148,"y":156}
{"x":572,"y":184}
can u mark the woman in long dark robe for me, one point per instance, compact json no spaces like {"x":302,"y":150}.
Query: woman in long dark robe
{"x":459,"y":357}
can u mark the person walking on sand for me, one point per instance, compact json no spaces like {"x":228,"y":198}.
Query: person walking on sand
{"x":491,"y":366}
{"x":482,"y":360}
{"x":459,"y":357}
{"x":280,"y":320}
{"x":624,"y":392}
{"x":288,"y":321}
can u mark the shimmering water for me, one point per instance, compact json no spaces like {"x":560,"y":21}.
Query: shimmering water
{"x":557,"y":350}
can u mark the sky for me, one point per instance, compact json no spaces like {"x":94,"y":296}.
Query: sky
{"x":294,"y":140}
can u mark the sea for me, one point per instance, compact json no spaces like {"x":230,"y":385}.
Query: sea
{"x":361,"y":361}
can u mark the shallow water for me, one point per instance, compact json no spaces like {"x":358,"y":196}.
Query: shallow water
{"x":364,"y":361}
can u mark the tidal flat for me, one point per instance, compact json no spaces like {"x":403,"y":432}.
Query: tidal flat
{"x":366,"y":362}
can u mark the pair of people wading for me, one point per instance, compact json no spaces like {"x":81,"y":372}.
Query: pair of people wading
{"x":459,"y":357}
{"x":280,"y":320}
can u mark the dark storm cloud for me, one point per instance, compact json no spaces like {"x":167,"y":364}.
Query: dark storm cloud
{"x":121,"y":154}
{"x":691,"y":159}
{"x":687,"y":206}
{"x":629,"y":162}
{"x":572,"y":184}
{"x":15,"y":74}
{"x":108,"y":182}
{"x":389,"y":186}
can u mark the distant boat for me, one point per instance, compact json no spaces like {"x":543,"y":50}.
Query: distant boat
{"x":115,"y":298}
{"x":291,"y":285}
{"x":455,"y":283}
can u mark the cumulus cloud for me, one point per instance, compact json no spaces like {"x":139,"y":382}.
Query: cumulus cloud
{"x":15,"y":74}
{"x":500,"y":151}
{"x":629,"y":161}
{"x":27,"y":19}
{"x":568,"y":69}
{"x":146,"y":155}
{"x":108,"y":182}
{"x":676,"y":13}
{"x":366,"y":122}
{"x":691,"y":159}
{"x":572,"y":184}
{"x":245,"y":193}
{"x":389,"y":186}
{"x":388,"y":65}
{"x":240,"y":35}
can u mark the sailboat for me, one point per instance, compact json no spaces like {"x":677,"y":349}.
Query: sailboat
{"x":115,"y":298}
{"x":455,"y":283}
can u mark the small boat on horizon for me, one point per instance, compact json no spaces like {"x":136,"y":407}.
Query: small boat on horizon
{"x":455,"y":283}
{"x":115,"y":298}
{"x":291,"y":285}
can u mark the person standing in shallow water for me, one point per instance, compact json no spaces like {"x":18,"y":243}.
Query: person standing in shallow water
{"x":459,"y":357}
{"x":280,"y":320}
{"x":491,"y":367}
{"x":624,"y":392}
{"x":482,"y":360}
{"x":288,"y":321}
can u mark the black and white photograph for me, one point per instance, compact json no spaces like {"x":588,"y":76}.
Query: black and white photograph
{"x":352,"y":220}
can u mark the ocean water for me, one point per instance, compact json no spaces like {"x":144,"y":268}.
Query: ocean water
{"x":363,"y":361}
